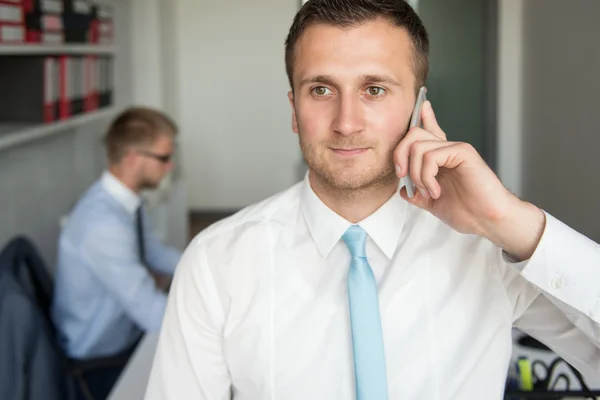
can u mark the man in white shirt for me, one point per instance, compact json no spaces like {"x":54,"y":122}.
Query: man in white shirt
{"x":342,"y":288}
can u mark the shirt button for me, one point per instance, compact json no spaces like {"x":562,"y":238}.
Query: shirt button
{"x":557,"y":283}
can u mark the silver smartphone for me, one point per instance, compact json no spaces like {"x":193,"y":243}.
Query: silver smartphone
{"x":414,"y":121}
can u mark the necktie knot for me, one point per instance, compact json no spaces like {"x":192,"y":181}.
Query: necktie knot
{"x":356,"y":239}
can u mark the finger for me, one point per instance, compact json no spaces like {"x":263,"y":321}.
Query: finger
{"x":429,"y":174}
{"x":450,"y":156}
{"x":402,"y":151}
{"x":418,"y":153}
{"x":430,"y":122}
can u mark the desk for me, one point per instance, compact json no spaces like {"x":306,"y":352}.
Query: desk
{"x":547,"y":357}
{"x":134,"y":379}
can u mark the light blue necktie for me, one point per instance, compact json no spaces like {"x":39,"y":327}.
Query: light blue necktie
{"x":367,"y":338}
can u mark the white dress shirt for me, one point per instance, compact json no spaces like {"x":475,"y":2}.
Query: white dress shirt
{"x":259,"y":305}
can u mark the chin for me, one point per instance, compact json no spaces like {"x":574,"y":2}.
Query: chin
{"x":150,"y":185}
{"x":348,"y":181}
{"x":355,"y":179}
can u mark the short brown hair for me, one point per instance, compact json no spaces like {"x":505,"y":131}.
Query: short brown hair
{"x":136,"y":126}
{"x":350,"y":13}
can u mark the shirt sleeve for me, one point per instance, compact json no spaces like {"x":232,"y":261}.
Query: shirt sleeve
{"x":561,"y":282}
{"x":111,"y":252}
{"x":566,"y":268}
{"x":189,"y":361}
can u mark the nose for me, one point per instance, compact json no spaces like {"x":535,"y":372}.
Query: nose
{"x":350,"y":118}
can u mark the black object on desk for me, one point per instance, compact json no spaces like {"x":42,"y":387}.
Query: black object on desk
{"x":546,"y":380}
{"x":528,"y":341}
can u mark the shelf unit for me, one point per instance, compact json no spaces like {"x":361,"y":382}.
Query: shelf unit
{"x":36,"y":49}
{"x":16,"y":134}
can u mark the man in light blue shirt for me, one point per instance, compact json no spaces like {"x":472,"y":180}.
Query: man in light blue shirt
{"x":110,"y":280}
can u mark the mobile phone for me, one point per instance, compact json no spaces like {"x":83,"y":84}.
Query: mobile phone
{"x":415,"y":120}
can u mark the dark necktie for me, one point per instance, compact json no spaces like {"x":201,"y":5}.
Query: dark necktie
{"x":139,"y":227}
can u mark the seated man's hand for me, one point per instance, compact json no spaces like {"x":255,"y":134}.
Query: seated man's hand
{"x":162,"y":281}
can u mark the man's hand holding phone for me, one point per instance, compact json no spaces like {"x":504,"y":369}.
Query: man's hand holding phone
{"x":456,"y":185}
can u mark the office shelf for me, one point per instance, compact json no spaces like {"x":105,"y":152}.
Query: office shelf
{"x":35,"y":49}
{"x":16,"y":134}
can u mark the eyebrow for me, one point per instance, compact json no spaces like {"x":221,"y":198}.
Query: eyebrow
{"x":382,"y":79}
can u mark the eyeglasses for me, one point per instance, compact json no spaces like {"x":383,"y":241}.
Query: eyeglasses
{"x":163,"y":158}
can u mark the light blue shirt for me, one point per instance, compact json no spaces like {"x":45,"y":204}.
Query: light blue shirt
{"x":104,"y":296}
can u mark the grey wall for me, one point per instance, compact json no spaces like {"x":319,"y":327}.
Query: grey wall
{"x":561,"y":118}
{"x":40,"y":181}
{"x":457,"y":80}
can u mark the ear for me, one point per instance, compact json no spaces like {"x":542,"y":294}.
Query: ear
{"x":128,"y":158}
{"x":294,"y":118}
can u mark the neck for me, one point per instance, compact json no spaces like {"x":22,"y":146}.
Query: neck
{"x":124,"y":178}
{"x":354,"y":205}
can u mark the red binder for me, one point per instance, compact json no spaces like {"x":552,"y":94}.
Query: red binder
{"x":104,"y":24}
{"x":90,"y":85}
{"x":44,"y":21}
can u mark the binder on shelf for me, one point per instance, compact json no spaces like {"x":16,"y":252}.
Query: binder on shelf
{"x":102,"y":28}
{"x":44,"y":28}
{"x":33,"y":84}
{"x":43,"y":6}
{"x":97,"y":78}
{"x":78,"y":6}
{"x":77,"y":85}
{"x":52,"y":38}
{"x":51,"y":81}
{"x":12,"y":34}
{"x":105,"y":32}
{"x":106,"y":81}
{"x":77,"y":21}
{"x":12,"y":28}
{"x":11,"y":12}
{"x":91,"y":88}
{"x":87,"y":74}
{"x":65,"y":90}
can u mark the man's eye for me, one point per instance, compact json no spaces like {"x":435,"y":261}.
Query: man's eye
{"x":375,"y":91}
{"x":321,"y":91}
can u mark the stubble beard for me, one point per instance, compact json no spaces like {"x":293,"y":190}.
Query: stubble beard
{"x":345,"y":180}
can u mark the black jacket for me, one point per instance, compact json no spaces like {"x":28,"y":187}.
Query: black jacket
{"x":32,"y":366}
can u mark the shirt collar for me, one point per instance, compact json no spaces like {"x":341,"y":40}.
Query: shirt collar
{"x":125,"y":196}
{"x":326,"y":227}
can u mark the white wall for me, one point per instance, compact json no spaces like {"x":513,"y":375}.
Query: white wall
{"x":232,"y":105}
{"x":153,"y":85}
{"x":145,"y":52}
{"x":561,"y":92}
{"x":548,"y":138}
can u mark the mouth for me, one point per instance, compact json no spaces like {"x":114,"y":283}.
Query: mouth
{"x":350,"y":152}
